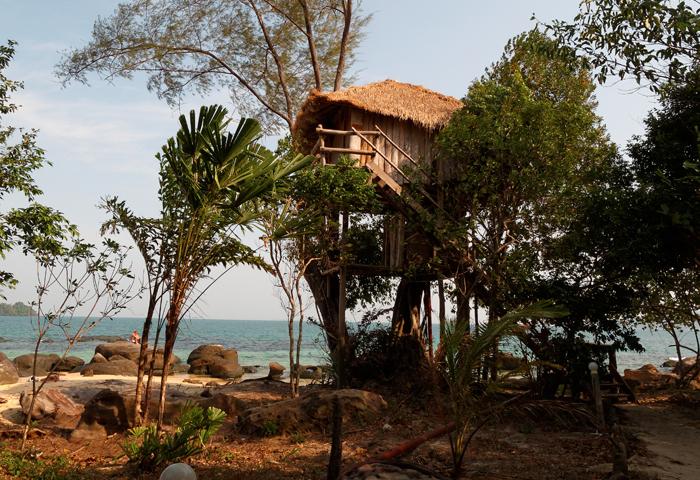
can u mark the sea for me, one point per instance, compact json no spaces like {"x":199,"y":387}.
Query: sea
{"x":258,"y":342}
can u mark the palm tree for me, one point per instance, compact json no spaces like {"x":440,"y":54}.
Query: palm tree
{"x":213,"y":183}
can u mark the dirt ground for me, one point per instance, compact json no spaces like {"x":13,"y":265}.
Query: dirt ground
{"x":509,"y":449}
{"x":669,"y":435}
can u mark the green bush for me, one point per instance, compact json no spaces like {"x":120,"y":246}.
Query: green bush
{"x":269,"y":428}
{"x":148,"y":449}
{"x":19,"y":466}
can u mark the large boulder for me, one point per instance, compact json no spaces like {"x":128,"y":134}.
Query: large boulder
{"x":106,"y":413}
{"x":216,"y":361}
{"x":44,"y":363}
{"x":276,"y":370}
{"x":685,"y":365}
{"x":122,"y":367}
{"x":130,"y":351}
{"x":124,"y":349}
{"x":312,"y":411}
{"x":49,"y":403}
{"x":309,"y":372}
{"x":101,"y":338}
{"x":8,"y":371}
{"x":69,"y":364}
{"x":649,"y":377}
{"x":111,"y":411}
{"x":227,"y":402}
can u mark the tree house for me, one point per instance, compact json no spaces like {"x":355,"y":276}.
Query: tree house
{"x":389,"y":129}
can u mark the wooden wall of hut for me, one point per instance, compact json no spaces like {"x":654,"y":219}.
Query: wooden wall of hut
{"x":415,"y":141}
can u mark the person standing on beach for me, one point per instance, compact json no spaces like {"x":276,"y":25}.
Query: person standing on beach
{"x":135,"y":337}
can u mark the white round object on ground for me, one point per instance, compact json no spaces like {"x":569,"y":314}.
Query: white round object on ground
{"x":178,"y":471}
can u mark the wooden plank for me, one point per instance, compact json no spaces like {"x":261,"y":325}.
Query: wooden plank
{"x":346,"y":133}
{"x":350,"y":151}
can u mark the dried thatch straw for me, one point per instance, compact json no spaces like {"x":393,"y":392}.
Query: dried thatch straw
{"x":413,"y":103}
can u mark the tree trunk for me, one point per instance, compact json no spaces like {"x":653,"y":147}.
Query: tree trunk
{"x":170,"y":336}
{"x":325,"y":289}
{"x":407,"y":308}
{"x":149,"y":381}
{"x":442,"y":314}
{"x":462,"y":296}
{"x":143,"y":358}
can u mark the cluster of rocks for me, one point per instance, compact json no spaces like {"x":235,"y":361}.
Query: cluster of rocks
{"x":215,"y":361}
{"x":312,"y":410}
{"x":648,"y":377}
{"x":121,"y":358}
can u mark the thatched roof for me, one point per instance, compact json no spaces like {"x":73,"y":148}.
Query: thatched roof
{"x":423,"y":107}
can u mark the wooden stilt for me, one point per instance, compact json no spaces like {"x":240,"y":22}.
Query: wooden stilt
{"x":428,"y":315}
{"x":441,"y":307}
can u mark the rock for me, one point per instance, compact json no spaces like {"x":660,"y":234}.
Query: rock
{"x":313,"y":410}
{"x":4,"y":340}
{"x":649,"y":377}
{"x":101,"y":338}
{"x":508,"y":361}
{"x":53,"y":377}
{"x":106,"y":413}
{"x":310,"y":372}
{"x":44,"y":363}
{"x":110,"y":411}
{"x":222,"y":368}
{"x":124,"y":349}
{"x":669,"y":364}
{"x":276,"y":370}
{"x":206,"y":393}
{"x":98,"y":358}
{"x":224,"y":401}
{"x":50,"y":402}
{"x":250,"y":369}
{"x":120,"y":351}
{"x":686,"y":364}
{"x":69,"y":364}
{"x":116,"y":367}
{"x":179,"y":368}
{"x":215,"y":360}
{"x":115,"y":358}
{"x":205,"y":351}
{"x":8,"y":371}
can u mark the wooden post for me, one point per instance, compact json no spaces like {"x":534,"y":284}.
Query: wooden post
{"x":476,"y":315}
{"x":597,"y":397}
{"x":428,"y":315}
{"x":441,"y":307}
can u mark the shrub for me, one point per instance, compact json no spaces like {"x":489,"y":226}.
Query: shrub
{"x":148,"y":449}
{"x":20,"y":466}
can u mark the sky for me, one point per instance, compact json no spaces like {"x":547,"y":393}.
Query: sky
{"x":101,"y":138}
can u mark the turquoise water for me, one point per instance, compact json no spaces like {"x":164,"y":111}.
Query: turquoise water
{"x":257,"y":341}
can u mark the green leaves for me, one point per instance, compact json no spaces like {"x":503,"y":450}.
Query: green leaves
{"x":37,"y":229}
{"x":652,"y":41}
{"x":148,"y":449}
